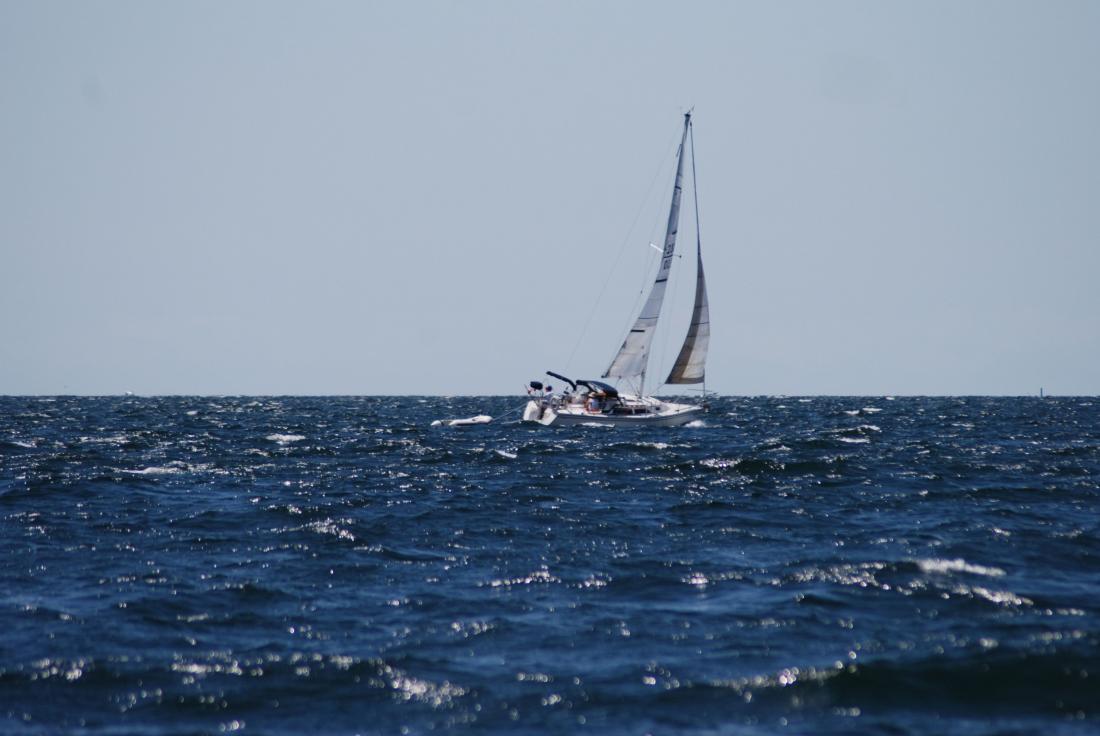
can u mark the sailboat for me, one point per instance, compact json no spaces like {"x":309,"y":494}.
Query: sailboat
{"x":597,"y":402}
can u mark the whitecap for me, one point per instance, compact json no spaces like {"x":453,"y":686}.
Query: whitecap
{"x":155,"y":470}
{"x":171,"y":468}
{"x":861,"y":428}
{"x":718,"y":463}
{"x":938,"y":566}
{"x":509,"y":455}
{"x":285,"y":439}
{"x":870,"y":409}
{"x":115,"y":439}
{"x":696,"y":424}
{"x":1000,"y":597}
{"x":854,"y":440}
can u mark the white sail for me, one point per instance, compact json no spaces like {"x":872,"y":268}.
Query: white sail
{"x":631,"y":360}
{"x":690,"y":365}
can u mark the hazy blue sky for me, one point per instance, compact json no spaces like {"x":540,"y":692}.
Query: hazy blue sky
{"x":426,"y":197}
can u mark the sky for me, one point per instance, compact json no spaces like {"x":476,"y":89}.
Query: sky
{"x":454,"y":197}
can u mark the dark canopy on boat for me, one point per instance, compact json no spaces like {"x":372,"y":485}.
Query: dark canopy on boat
{"x":601,"y":387}
{"x":560,"y":377}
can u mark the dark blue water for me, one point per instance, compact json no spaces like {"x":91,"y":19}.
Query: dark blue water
{"x":336,"y":565}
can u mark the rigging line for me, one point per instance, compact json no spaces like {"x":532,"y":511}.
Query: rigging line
{"x":695,"y":191}
{"x":515,"y":408}
{"x":647,"y":279}
{"x":614,"y":268}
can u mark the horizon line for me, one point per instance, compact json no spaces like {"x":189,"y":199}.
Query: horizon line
{"x":130,"y":395}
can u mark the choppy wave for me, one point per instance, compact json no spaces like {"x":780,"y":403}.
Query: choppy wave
{"x":293,"y":565}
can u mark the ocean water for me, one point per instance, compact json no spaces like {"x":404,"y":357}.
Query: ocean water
{"x":337,"y":565}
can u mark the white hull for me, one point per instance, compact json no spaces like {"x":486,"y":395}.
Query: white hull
{"x":658,"y":414}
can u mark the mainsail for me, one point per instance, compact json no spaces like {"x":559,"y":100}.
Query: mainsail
{"x":690,"y":366}
{"x":630,"y":361}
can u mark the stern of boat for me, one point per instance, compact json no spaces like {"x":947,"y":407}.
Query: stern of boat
{"x":536,"y":413}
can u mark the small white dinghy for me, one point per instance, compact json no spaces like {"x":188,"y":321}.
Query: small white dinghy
{"x":468,"y":421}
